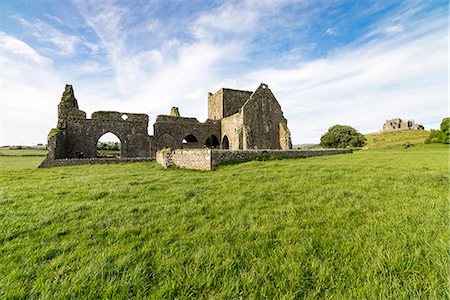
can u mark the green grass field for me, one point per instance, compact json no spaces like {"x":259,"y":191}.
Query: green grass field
{"x":395,"y":138}
{"x":372,"y":224}
{"x":22,"y":152}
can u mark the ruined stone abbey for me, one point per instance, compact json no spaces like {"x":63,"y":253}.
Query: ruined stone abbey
{"x":236,"y":120}
{"x":399,"y":124}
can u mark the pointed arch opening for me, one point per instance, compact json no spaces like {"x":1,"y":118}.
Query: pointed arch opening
{"x":212,"y":142}
{"x":109,"y":146}
{"x":225,"y":142}
{"x":190,"y":141}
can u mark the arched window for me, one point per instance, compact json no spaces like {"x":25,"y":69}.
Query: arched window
{"x":225,"y":142}
{"x":268,"y":127}
{"x":190,"y":141}
{"x":109,"y":146}
{"x":212,"y":142}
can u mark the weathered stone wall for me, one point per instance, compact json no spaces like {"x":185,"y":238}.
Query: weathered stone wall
{"x":169,"y":132}
{"x":219,"y":157}
{"x":88,"y":161}
{"x":226,"y":102}
{"x":262,"y":116}
{"x":76,"y":136}
{"x":232,"y":127}
{"x":162,"y":158}
{"x":207,"y":159}
{"x":233,"y":100}
{"x":198,"y":159}
{"x":215,"y":105}
{"x":285,"y":137}
{"x":82,"y":135}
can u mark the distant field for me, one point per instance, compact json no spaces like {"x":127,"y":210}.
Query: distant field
{"x":395,"y":138}
{"x":23,"y":152}
{"x":307,"y":146}
{"x":368,"y":225}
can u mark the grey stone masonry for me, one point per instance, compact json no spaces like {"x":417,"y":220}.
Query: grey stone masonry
{"x":208,"y":159}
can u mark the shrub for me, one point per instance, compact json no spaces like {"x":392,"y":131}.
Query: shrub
{"x":407,"y":145}
{"x":445,"y":131}
{"x":341,"y":136}
{"x":434,"y":137}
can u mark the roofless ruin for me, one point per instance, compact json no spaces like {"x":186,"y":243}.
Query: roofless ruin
{"x":238,"y":121}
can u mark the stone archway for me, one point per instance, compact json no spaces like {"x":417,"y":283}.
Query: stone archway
{"x":190,"y":141}
{"x":225,"y":142}
{"x":109,"y":145}
{"x":212,"y":142}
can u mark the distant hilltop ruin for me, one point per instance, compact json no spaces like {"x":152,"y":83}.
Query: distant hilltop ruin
{"x":399,"y":124}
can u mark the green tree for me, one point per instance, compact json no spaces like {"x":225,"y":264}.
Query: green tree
{"x":341,"y":136}
{"x":434,"y":137}
{"x":445,"y":131}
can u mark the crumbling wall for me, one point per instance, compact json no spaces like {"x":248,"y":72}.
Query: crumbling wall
{"x":232,"y":128}
{"x":170,"y":131}
{"x":262,"y":116}
{"x":219,"y":157}
{"x":226,"y":102}
{"x":207,"y":159}
{"x":198,"y":159}
{"x":399,"y":124}
{"x":76,"y":136}
{"x":82,"y":135}
{"x":215,"y":105}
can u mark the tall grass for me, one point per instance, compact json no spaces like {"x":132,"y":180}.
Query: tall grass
{"x":373,"y":224}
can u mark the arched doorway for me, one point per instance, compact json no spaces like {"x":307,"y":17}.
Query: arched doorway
{"x":212,"y":142}
{"x":225,"y":142}
{"x":190,"y":141}
{"x":109,"y":146}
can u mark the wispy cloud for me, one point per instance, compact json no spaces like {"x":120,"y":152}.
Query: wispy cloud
{"x":65,"y":43}
{"x":398,"y":76}
{"x":330,"y":31}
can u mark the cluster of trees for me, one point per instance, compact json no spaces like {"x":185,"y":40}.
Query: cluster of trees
{"x":440,"y":136}
{"x":108,"y":146}
{"x":340,"y":136}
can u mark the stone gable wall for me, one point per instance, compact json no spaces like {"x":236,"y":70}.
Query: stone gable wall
{"x":262,"y":116}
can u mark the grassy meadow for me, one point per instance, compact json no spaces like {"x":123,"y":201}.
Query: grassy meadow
{"x":394,"y":139}
{"x":372,"y":224}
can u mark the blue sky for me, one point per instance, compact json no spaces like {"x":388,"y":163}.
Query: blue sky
{"x":328,"y":62}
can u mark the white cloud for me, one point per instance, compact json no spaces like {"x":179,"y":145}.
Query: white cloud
{"x":29,"y":88}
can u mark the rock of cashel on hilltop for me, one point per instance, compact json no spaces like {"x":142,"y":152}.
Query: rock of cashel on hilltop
{"x":399,"y":124}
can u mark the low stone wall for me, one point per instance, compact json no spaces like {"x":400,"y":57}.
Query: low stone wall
{"x":207,"y":159}
{"x":88,"y":161}
{"x":198,"y":159}
{"x":219,"y":157}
